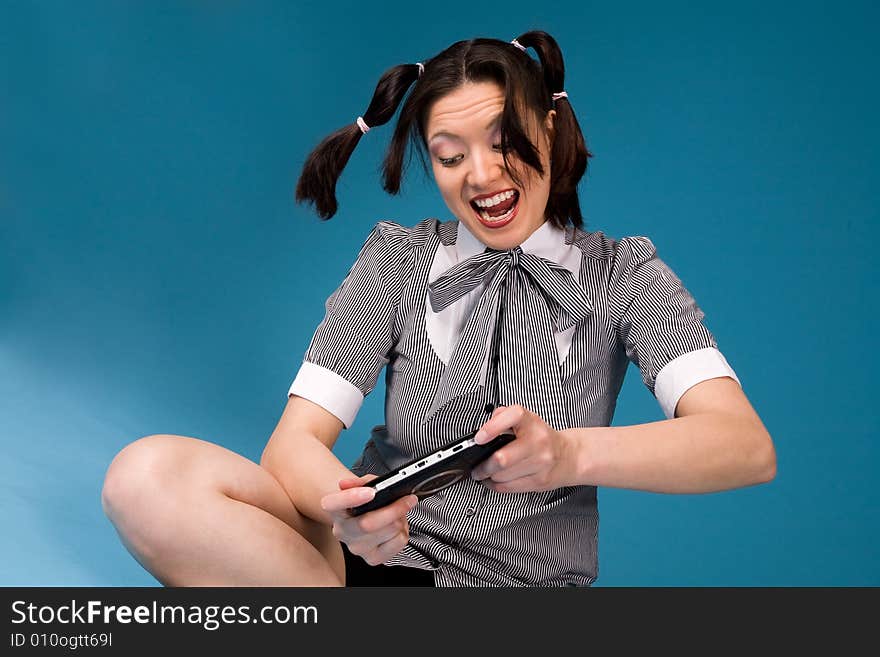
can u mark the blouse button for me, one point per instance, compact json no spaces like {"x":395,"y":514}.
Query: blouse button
{"x":470,"y":511}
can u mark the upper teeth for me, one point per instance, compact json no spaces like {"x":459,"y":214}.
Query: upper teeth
{"x":495,"y":200}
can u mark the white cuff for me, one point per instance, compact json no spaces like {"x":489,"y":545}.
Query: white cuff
{"x":328,"y":390}
{"x":681,"y":374}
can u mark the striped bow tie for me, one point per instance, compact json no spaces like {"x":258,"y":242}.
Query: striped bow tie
{"x":536,"y":295}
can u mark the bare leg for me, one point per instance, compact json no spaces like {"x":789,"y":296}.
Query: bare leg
{"x":196,"y":514}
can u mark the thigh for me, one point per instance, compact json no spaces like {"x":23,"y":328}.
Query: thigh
{"x":185,"y":467}
{"x":179,"y":464}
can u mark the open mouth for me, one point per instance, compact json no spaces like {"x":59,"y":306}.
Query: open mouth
{"x":497,"y":210}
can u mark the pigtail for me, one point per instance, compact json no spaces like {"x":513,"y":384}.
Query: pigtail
{"x":324,"y":165}
{"x":569,"y":154}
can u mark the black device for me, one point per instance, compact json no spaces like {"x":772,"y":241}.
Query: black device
{"x":427,"y":475}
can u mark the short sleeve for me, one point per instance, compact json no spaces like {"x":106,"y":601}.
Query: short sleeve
{"x":660,"y":325}
{"x":352,"y":343}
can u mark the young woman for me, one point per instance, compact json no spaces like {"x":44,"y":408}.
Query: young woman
{"x":572,"y":309}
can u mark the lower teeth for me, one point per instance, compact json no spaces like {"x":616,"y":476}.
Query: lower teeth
{"x":492,"y":220}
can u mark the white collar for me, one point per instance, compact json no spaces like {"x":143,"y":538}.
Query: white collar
{"x":547,"y":241}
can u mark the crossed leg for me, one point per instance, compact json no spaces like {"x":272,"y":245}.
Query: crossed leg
{"x":196,"y":514}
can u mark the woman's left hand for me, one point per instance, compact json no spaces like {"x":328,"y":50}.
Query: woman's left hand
{"x":540,"y":458}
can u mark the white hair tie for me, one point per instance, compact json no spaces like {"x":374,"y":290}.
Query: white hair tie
{"x":363,"y":125}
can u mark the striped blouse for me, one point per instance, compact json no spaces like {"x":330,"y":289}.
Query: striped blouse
{"x":380,"y":315}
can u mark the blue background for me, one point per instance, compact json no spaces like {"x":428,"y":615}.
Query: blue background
{"x":157,"y":277}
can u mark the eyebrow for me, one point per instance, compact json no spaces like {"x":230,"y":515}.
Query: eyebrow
{"x":494,"y":122}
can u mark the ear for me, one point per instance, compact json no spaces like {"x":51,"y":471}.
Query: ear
{"x":549,"y":125}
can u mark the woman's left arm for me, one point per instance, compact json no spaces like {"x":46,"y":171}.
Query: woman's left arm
{"x":716,"y":442}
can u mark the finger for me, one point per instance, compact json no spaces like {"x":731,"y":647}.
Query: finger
{"x":520,"y":470}
{"x":353,"y":482}
{"x":391,"y":547}
{"x":528,"y":484}
{"x":346,"y":499}
{"x":367,"y":543}
{"x":372,"y":521}
{"x":507,"y":419}
{"x":505,"y":457}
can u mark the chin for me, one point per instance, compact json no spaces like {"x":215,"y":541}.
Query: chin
{"x":505,"y":242}
{"x":503,"y":238}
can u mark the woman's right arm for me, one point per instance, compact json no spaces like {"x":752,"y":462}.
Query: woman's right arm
{"x":349,"y":349}
{"x":299,"y":455}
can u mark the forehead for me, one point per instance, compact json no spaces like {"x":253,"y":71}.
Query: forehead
{"x":469,"y":105}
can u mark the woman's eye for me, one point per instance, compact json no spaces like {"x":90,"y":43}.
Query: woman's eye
{"x":452,"y":161}
{"x":449,"y":161}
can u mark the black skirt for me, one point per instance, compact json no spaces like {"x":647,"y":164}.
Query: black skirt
{"x":359,"y":573}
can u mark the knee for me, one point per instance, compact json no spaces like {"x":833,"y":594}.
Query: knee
{"x":140,"y":472}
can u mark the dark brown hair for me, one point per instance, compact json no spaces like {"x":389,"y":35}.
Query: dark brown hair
{"x":526,"y":83}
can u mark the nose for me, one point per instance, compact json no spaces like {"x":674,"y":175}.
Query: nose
{"x":487,"y":167}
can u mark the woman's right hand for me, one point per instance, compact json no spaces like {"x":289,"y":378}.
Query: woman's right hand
{"x":375,"y":536}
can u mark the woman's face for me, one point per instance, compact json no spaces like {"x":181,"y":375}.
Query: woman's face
{"x":464,"y":141}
